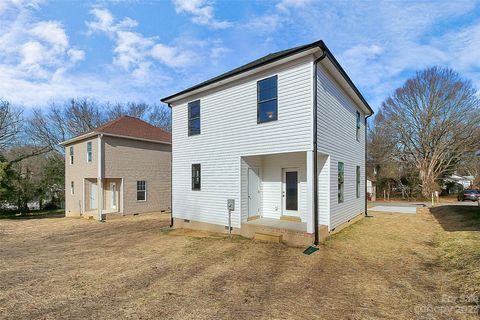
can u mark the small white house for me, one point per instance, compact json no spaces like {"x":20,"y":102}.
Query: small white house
{"x":283,"y":136}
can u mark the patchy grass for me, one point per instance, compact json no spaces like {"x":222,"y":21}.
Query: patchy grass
{"x":32,"y":214}
{"x":389,"y":266}
{"x":459,"y":246}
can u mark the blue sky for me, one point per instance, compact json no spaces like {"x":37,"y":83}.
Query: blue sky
{"x":144,"y":50}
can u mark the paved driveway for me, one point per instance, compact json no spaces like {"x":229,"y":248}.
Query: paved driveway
{"x":395,"y":209}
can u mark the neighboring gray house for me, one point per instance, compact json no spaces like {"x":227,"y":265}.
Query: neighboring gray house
{"x":122,"y":167}
{"x":283,"y":136}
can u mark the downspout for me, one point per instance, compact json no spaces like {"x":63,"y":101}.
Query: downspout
{"x":171,"y":169}
{"x":366,"y":145}
{"x":315,"y":148}
{"x":100,"y":177}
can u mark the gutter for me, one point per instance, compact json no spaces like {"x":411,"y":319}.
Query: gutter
{"x":366,"y":147}
{"x":315,"y":147}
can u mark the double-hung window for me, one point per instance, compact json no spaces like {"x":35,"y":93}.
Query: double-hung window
{"x":341,"y":175}
{"x":358,"y":181}
{"x":89,"y":151}
{"x":267,"y":99}
{"x":194,"y":118}
{"x":196,"y":176}
{"x":358,"y":126}
{"x":71,"y":155}
{"x":141,"y":190}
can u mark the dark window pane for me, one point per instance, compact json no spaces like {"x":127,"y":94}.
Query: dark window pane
{"x":291,"y":182}
{"x":340,"y":181}
{"x":194,"y":109}
{"x":267,"y":91}
{"x":194,"y":126}
{"x":196,"y":176}
{"x":141,"y":195}
{"x":267,"y":111}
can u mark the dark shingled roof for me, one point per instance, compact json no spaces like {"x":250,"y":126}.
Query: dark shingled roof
{"x":249,"y":66}
{"x":269,"y":58}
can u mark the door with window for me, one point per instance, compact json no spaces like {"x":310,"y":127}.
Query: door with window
{"x":93,"y":193}
{"x":113,"y":195}
{"x":290,"y":186}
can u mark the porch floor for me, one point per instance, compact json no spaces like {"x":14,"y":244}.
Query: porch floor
{"x":279,"y":224}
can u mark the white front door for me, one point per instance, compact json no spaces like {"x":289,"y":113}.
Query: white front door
{"x":113,"y":195}
{"x":93,"y":196}
{"x":253,"y":192}
{"x":290,"y":192}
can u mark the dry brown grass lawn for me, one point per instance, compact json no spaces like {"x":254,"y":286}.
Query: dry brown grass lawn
{"x":389,"y":266}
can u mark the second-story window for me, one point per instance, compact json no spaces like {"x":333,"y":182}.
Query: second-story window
{"x":71,"y":155}
{"x":194,"y":118}
{"x":89,"y":151}
{"x":358,"y":126}
{"x":267,"y":102}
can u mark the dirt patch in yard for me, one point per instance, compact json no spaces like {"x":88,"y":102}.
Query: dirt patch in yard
{"x":387,"y":266}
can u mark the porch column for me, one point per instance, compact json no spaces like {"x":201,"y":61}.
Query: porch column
{"x":310,"y":193}
{"x":100,"y":197}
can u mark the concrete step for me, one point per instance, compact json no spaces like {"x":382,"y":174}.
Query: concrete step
{"x":268,"y":237}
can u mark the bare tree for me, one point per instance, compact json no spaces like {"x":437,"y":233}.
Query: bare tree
{"x":434,"y":119}
{"x":10,"y":124}
{"x":47,"y":127}
{"x":83,"y":115}
{"x":161,"y":117}
{"x":137,"y":110}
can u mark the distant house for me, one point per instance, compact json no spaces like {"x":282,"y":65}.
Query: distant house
{"x":122,"y":167}
{"x":283,"y":137}
{"x":456,"y":183}
{"x":372,"y":189}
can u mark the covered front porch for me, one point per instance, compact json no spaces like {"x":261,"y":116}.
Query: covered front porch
{"x":102,"y":193}
{"x":277,"y":195}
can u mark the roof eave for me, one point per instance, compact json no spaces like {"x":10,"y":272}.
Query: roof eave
{"x":95,"y":133}
{"x":318,"y":44}
{"x":78,"y":138}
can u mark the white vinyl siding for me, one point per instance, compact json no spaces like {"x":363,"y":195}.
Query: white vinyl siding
{"x":337,"y":137}
{"x":230,"y":131}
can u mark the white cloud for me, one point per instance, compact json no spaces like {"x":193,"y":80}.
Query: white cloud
{"x":202,"y":12}
{"x":33,"y":49}
{"x":133,"y":51}
{"x":285,"y":5}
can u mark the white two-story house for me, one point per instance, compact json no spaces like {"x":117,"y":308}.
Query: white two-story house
{"x":283,"y":136}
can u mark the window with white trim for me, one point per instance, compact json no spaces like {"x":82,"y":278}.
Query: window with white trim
{"x":358,"y":126}
{"x":71,"y":155}
{"x":267,"y":99}
{"x":358,"y":181}
{"x":194,"y":118}
{"x":89,"y":152}
{"x":196,"y":176}
{"x":141,"y":190}
{"x":341,"y":175}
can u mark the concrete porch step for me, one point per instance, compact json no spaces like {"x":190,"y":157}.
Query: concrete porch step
{"x":268,"y":237}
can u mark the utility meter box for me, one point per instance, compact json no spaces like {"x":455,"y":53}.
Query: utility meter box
{"x":231,"y":204}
